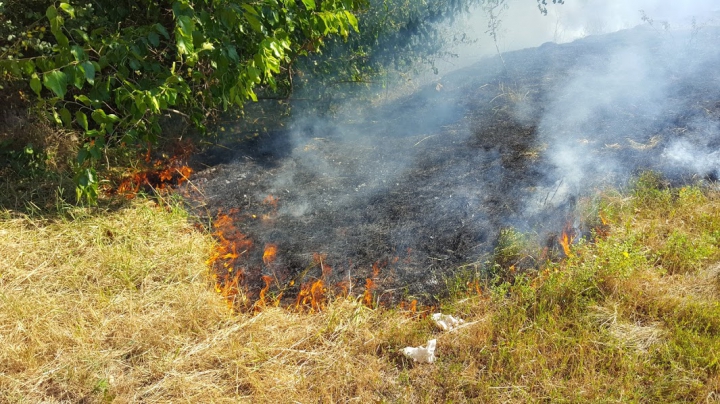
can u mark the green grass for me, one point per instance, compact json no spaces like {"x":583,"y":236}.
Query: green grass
{"x":118,"y":306}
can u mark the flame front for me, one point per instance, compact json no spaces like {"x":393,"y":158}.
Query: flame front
{"x":232,"y":245}
{"x":313,"y":295}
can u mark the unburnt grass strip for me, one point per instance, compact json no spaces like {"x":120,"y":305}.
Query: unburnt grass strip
{"x":120,"y":306}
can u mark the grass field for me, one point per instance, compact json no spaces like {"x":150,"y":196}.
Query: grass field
{"x":118,"y":306}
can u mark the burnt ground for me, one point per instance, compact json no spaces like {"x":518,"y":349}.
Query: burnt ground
{"x":425,"y":184}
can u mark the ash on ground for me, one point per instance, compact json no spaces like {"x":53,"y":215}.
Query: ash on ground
{"x":424,"y":184}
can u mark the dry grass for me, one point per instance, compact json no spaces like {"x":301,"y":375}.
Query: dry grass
{"x":118,"y":307}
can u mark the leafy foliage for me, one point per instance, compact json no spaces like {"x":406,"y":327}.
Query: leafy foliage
{"x":396,"y":35}
{"x":111,"y":69}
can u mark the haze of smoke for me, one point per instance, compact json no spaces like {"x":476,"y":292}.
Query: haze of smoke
{"x":521,"y":26}
{"x":421,"y":174}
{"x":617,"y":109}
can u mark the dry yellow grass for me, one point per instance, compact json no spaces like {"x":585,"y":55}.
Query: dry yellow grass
{"x":117,"y":306}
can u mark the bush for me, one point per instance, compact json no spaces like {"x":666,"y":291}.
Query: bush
{"x":111,"y":69}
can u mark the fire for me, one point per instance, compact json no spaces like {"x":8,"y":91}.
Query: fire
{"x":368,"y":295}
{"x":312,"y":295}
{"x":603,"y":220}
{"x":376,"y":270}
{"x":229,"y":288}
{"x":370,"y":286}
{"x":411,"y":307}
{"x":269,"y":254}
{"x":161,"y":175}
{"x":261,"y":300}
{"x":232,"y":245}
{"x":474,"y":286}
{"x":565,"y":239}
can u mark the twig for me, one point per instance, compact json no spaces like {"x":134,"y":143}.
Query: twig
{"x":424,"y":139}
{"x":190,"y":182}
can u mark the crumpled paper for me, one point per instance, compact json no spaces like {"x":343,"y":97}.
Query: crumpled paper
{"x":446,"y":322}
{"x":426,"y":354}
{"x":421,"y":354}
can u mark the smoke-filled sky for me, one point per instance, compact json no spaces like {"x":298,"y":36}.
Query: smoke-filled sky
{"x":522,"y":25}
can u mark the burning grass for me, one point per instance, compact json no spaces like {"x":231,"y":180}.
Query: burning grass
{"x":120,"y":306}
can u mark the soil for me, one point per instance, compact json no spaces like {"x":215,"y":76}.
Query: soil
{"x":424,"y":185}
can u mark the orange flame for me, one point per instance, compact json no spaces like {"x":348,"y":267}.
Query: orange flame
{"x":229,"y":289}
{"x":376,"y":270}
{"x":565,"y":241}
{"x":312,"y":295}
{"x":368,"y":295}
{"x":232,"y":245}
{"x":370,"y":285}
{"x":411,"y":307}
{"x":159,"y":176}
{"x":261,"y":300}
{"x":269,"y":254}
{"x":474,"y":287}
{"x":602,"y":219}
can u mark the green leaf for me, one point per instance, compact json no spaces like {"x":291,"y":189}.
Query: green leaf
{"x":81,"y":34}
{"x":79,"y":77}
{"x":77,"y":52}
{"x":82,"y":120}
{"x":57,"y":82}
{"x":162,"y":31}
{"x":84,"y":99}
{"x":29,"y":67}
{"x":51,"y":13}
{"x":254,"y":23}
{"x":232,"y":53}
{"x":86,"y":185}
{"x":68,"y":9}
{"x":352,"y":20}
{"x":99,"y":116}
{"x":250,"y":9}
{"x":35,"y":84}
{"x":14,"y":68}
{"x":95,"y":152}
{"x":153,"y":102}
{"x":140,"y":104}
{"x":61,"y":38}
{"x":89,"y":69}
{"x":154,"y":39}
{"x":309,"y":4}
{"x":66,"y":117}
{"x":56,"y":117}
{"x":82,"y":156}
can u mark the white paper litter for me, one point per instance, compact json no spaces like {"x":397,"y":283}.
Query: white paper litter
{"x":446,"y":322}
{"x":422,"y":354}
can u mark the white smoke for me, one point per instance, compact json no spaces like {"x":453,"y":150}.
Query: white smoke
{"x":522,"y":26}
